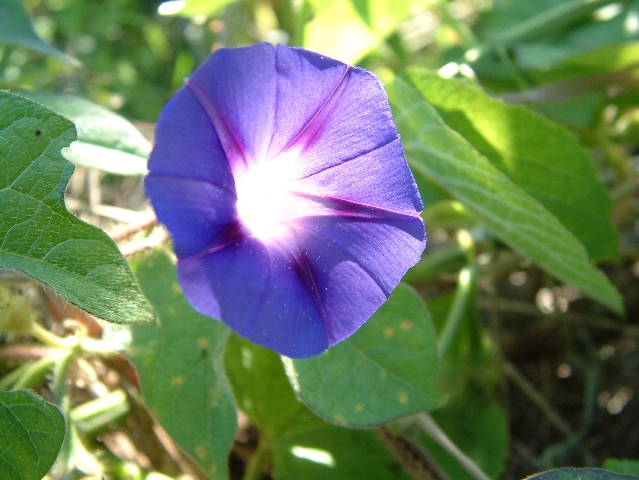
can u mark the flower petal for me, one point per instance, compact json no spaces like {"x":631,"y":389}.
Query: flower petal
{"x":186,"y":144}
{"x":259,"y":98}
{"x":354,"y":121}
{"x":197,"y":213}
{"x":357,"y":263}
{"x":380,"y":178}
{"x":258,"y":293}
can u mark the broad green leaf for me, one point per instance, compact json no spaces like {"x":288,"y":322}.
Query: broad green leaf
{"x":536,"y":154}
{"x":580,"y":474}
{"x":478,"y":425}
{"x":16,"y":29}
{"x":38,"y":236}
{"x":386,"y":370}
{"x":602,"y":60}
{"x":333,"y":453}
{"x":31,"y":434}
{"x":441,"y":154}
{"x":562,"y":27}
{"x":262,"y":391}
{"x":105,"y":140}
{"x":300,"y":444}
{"x":347,"y":30}
{"x":180,"y":368}
{"x":622,"y":465}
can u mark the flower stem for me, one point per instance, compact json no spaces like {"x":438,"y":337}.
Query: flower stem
{"x":257,"y":463}
{"x":465,"y":285}
{"x":35,"y":371}
{"x":48,"y":338}
{"x":428,"y":425}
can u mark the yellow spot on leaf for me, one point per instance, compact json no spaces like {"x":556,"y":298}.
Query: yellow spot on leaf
{"x":359,"y":407}
{"x":389,"y":332}
{"x":203,"y":343}
{"x":200,"y":451}
{"x":407,"y":324}
{"x":402,"y":397}
{"x":177,"y":381}
{"x":175,"y":287}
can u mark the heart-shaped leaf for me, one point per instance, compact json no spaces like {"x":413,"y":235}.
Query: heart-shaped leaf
{"x":38,"y":236}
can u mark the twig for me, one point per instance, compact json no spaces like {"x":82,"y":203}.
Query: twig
{"x":131,"y":230}
{"x":517,"y":306}
{"x":411,"y":456}
{"x":429,"y":426}
{"x":537,"y":398}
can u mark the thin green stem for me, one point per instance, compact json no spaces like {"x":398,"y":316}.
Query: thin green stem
{"x":51,"y":339}
{"x":37,"y":371}
{"x":61,"y":397}
{"x":78,"y":342}
{"x":258,"y":462}
{"x":430,"y":427}
{"x":12,"y":377}
{"x":465,"y":285}
{"x":96,"y":414}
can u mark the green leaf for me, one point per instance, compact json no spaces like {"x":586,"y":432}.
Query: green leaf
{"x":180,"y":367}
{"x":441,"y":154}
{"x":16,"y":29}
{"x":562,"y":26}
{"x":347,"y":30}
{"x":598,"y":61}
{"x":371,"y":377}
{"x":478,"y":425}
{"x":536,"y":154}
{"x":333,"y":453}
{"x":31,"y":434}
{"x":38,"y":236}
{"x":300,"y":444}
{"x":106,"y":140}
{"x":622,"y":465}
{"x":262,"y":391}
{"x":580,"y":474}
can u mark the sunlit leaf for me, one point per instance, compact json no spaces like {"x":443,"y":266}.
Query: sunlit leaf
{"x":539,"y":156}
{"x":347,"y":30}
{"x":38,"y":236}
{"x":191,"y":8}
{"x":370,"y":378}
{"x":442,"y":155}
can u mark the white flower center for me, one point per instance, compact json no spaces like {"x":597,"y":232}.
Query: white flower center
{"x":264,"y":201}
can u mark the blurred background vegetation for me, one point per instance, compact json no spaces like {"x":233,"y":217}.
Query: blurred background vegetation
{"x":571,"y":366}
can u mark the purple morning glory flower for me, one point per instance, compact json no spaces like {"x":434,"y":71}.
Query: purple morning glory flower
{"x":281,"y":177}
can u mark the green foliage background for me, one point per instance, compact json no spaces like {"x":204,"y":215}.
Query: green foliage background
{"x":520,"y":122}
